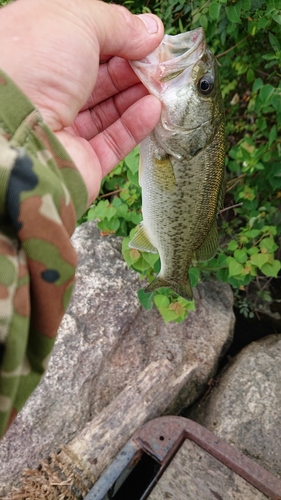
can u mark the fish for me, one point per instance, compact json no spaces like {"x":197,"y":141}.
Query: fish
{"x":182,"y":161}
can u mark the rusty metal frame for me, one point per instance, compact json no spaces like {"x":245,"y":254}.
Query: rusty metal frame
{"x":161,"y":438}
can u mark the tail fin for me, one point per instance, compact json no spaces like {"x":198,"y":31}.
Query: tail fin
{"x":183,"y":289}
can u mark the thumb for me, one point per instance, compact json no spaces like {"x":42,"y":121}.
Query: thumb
{"x":123,"y":34}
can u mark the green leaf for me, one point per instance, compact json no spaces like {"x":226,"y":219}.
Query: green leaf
{"x":250,"y":76}
{"x":151,"y":258}
{"x":178,"y":308}
{"x":110,"y":212}
{"x":274,"y":42}
{"x":235,"y":282}
{"x":141,"y":264}
{"x":134,"y":255}
{"x":277,"y":18}
{"x":125,"y":243}
{"x":263,"y":22}
{"x":240,"y":255}
{"x":266,"y":92}
{"x":98,"y":211}
{"x":271,"y":269}
{"x":246,"y":5}
{"x":146,"y":299}
{"x":211,"y":264}
{"x":214,"y":10}
{"x":135,"y":217}
{"x":184,"y":302}
{"x":133,"y":178}
{"x":109,"y":225}
{"x":194,"y":275}
{"x":259,"y":259}
{"x":204,"y":21}
{"x":103,"y":210}
{"x":232,"y":245}
{"x":157,"y":266}
{"x":196,"y":17}
{"x":132,"y":161}
{"x":234,"y":267}
{"x":161,"y":301}
{"x":233,"y":13}
{"x":268,"y":244}
{"x":269,"y":229}
{"x":252,"y":233}
{"x":252,"y":250}
{"x":190,"y":306}
{"x":223,"y":275}
{"x":272,"y":135}
{"x":167,"y":292}
{"x":127,"y":258}
{"x":122,"y":210}
{"x":222,"y":260}
{"x":168,"y":315}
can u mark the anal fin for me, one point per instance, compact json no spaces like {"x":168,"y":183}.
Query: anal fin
{"x":141,"y":241}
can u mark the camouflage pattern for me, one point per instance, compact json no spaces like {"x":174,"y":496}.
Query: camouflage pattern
{"x":41,"y":196}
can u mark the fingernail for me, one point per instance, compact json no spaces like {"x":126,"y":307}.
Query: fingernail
{"x":150,"y":23}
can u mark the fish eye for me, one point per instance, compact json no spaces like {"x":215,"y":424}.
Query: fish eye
{"x":205,"y":85}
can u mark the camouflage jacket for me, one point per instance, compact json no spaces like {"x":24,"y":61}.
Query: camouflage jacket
{"x":41,"y":196}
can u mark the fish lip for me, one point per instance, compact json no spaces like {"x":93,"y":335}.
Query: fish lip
{"x":172,"y":131}
{"x":190,"y":45}
{"x":175,"y":128}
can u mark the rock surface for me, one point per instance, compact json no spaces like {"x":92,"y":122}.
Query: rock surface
{"x":244,"y":409}
{"x":105,"y":344}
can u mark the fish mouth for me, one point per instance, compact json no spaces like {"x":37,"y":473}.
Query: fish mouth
{"x":173,"y":56}
{"x":167,"y":131}
{"x":170,"y":127}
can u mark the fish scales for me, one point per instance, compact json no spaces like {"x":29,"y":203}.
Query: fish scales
{"x":182,"y":171}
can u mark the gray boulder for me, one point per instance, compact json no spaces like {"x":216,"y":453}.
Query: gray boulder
{"x":244,"y":409}
{"x":108,"y":343}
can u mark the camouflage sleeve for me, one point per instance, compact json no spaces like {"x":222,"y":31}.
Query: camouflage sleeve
{"x":41,"y":195}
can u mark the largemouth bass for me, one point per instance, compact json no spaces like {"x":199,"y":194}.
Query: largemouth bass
{"x":182,"y":161}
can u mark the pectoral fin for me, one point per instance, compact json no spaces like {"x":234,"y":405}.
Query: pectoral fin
{"x":141,"y":241}
{"x":209,"y":247}
{"x":163,"y":174}
{"x":183,"y":289}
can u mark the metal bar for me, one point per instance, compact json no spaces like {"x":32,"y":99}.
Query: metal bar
{"x":162,"y":437}
{"x":116,"y":474}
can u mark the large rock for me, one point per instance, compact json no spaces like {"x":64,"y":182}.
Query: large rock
{"x":244,"y":409}
{"x":108,"y":344}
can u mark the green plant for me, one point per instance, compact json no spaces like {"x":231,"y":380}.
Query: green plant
{"x":245,"y":36}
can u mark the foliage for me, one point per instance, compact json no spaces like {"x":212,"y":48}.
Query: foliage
{"x":245,"y":36}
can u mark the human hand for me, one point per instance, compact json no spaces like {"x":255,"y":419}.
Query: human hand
{"x":52,"y":51}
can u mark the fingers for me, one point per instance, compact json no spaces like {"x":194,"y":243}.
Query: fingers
{"x":114,"y":143}
{"x":123,"y":34}
{"x":94,"y":159}
{"x":91,"y":122}
{"x":114,"y":76}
